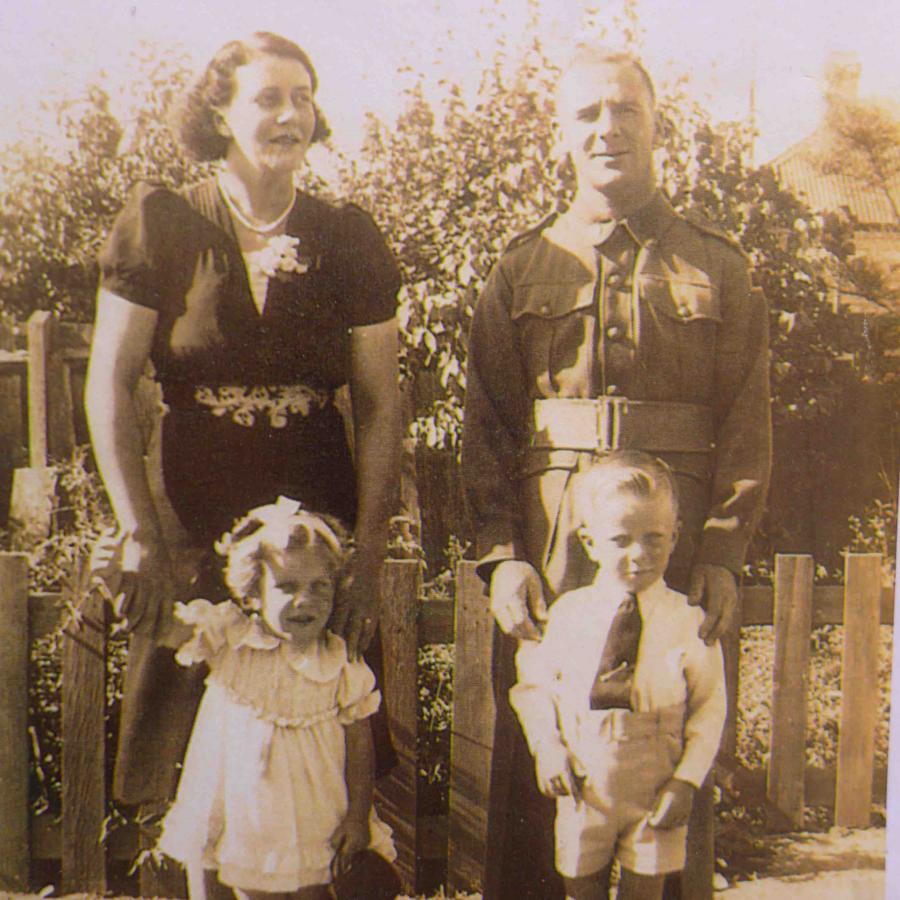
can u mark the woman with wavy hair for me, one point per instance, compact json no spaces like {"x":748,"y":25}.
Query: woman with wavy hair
{"x":254,"y":302}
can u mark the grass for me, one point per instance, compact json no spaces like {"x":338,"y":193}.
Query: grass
{"x":824,"y":696}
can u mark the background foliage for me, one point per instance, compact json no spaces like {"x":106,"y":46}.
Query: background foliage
{"x":451,"y":181}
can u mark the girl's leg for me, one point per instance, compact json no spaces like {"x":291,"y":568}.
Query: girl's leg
{"x":639,"y":887}
{"x":589,"y":887}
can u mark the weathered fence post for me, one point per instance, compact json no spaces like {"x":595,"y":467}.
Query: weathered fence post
{"x":13,"y":722}
{"x":84,"y":737}
{"x":397,"y":794}
{"x":473,"y":731}
{"x":51,"y":431}
{"x":859,"y":690}
{"x":793,"y":623}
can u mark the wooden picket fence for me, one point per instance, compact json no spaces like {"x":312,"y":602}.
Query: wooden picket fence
{"x":76,"y":839}
{"x":40,"y":390}
{"x":40,"y":412}
{"x":793,"y":605}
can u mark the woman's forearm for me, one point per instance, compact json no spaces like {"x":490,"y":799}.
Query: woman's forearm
{"x":360,"y":769}
{"x":119,"y":452}
{"x":122,"y":336}
{"x":377,"y":431}
{"x":377,"y":462}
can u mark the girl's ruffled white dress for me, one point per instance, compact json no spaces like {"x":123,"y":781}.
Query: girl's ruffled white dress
{"x":262,"y":790}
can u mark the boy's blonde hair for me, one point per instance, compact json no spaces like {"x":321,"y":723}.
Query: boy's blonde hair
{"x":266,"y":533}
{"x":620,"y":472}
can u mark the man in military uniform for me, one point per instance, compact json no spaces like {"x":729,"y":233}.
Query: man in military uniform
{"x":616,"y":324}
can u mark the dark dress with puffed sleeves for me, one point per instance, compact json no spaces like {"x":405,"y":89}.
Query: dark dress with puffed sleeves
{"x":249,"y":396}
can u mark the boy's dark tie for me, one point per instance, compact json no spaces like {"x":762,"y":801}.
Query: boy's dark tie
{"x":612,"y":685}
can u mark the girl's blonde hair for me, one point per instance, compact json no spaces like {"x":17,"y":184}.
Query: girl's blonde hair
{"x":266,"y":533}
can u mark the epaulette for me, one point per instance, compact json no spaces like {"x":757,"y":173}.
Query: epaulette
{"x":526,"y":236}
{"x":701,"y":223}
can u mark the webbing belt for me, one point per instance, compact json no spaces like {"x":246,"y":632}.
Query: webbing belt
{"x":617,"y":423}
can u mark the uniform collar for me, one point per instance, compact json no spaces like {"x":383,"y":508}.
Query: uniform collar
{"x":648,"y":223}
{"x":645,"y":225}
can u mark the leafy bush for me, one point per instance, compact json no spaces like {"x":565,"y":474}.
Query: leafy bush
{"x":435,"y":686}
{"x":875,"y":531}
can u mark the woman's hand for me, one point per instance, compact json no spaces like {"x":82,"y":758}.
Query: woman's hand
{"x":146,"y":582}
{"x":356,"y":606}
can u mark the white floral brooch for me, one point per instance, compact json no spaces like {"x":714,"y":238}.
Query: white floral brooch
{"x":279,"y":257}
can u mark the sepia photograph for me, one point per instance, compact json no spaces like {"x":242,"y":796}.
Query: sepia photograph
{"x":449,"y":451}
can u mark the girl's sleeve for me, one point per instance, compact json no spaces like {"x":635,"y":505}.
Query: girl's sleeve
{"x":212,"y":624}
{"x":357,"y":696}
{"x":143,"y":259}
{"x":368,"y":273}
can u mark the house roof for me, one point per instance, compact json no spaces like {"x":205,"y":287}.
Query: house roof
{"x":798,"y":168}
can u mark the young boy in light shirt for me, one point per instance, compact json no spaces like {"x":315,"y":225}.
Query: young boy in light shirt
{"x":622,"y":703}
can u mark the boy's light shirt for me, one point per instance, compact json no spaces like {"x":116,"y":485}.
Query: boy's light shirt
{"x":673,"y":667}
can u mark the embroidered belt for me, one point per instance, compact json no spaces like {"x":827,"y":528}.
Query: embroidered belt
{"x":617,"y":423}
{"x":277,"y":402}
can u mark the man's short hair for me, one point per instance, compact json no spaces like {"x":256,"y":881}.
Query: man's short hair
{"x":592,"y":55}
{"x":629,"y":472}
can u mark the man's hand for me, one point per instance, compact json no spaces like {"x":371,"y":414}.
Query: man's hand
{"x":715,"y":589}
{"x":517,"y":600}
{"x":673,"y":804}
{"x":557,"y":773}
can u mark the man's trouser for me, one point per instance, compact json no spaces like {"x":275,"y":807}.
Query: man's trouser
{"x":566,"y":434}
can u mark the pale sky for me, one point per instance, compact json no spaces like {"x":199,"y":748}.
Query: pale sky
{"x":50,"y":47}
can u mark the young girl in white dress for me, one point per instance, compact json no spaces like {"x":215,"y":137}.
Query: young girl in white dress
{"x":277,"y":779}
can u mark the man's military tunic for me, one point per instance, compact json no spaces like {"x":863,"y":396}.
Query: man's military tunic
{"x":653,"y":308}
{"x":640,"y":334}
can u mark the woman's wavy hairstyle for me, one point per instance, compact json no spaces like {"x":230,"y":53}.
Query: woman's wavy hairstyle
{"x":267,"y":533}
{"x":195,"y":117}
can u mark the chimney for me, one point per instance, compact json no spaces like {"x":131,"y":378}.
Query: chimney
{"x":842,"y":71}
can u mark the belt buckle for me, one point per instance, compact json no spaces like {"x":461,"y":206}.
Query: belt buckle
{"x":609,"y":422}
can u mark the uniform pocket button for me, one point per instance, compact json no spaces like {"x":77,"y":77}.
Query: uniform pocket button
{"x":613,"y":332}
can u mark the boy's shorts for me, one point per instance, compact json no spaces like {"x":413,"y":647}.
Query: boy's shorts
{"x":627,"y":756}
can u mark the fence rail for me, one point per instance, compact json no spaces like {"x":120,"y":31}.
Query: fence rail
{"x":794,"y":606}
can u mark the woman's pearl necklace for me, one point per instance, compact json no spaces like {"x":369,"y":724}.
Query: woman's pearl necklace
{"x":249,"y":224}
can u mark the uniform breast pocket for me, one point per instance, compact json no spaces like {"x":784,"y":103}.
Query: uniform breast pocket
{"x":555,"y":327}
{"x":680,"y":319}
